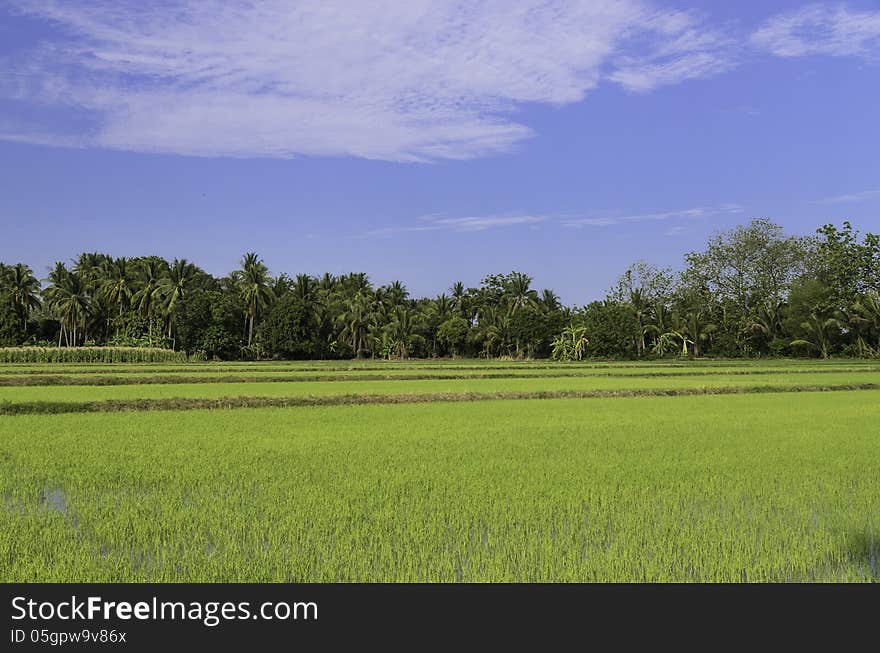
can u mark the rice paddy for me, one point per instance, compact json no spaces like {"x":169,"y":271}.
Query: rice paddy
{"x":440,"y":471}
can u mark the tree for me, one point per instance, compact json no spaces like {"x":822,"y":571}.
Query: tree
{"x":151,"y":273}
{"x":255,"y":290}
{"x":642,"y":287}
{"x":11,"y":332}
{"x":354,"y":320}
{"x":744,"y":268}
{"x":207,"y":321}
{"x":23,"y":290}
{"x":173,"y":290}
{"x":453,"y":334}
{"x":610,"y":328}
{"x":118,"y":281}
{"x":71,"y":303}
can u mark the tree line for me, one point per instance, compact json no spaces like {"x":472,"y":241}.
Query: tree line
{"x":753,"y":291}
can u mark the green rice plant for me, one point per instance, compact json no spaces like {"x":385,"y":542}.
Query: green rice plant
{"x":475,"y":386}
{"x":756,"y":487}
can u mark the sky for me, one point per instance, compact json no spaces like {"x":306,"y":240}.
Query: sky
{"x":431,"y":141}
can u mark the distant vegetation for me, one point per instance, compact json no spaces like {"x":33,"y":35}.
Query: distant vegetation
{"x":90,"y":355}
{"x":753,"y":291}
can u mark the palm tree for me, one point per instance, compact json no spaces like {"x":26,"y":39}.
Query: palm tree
{"x":151,"y":274}
{"x":550,"y":301}
{"x":255,"y":289}
{"x":520,"y":292}
{"x":281,"y":285}
{"x":458,"y":294}
{"x":70,"y":302}
{"x":696,"y":324}
{"x":117,"y":286}
{"x":173,"y":288}
{"x":395,"y":294}
{"x":766,"y":321}
{"x":24,"y":291}
{"x":819,"y":331}
{"x":864,"y":316}
{"x":640,"y":310}
{"x":401,"y":330}
{"x":57,"y":276}
{"x":442,"y":307}
{"x":355,"y":321}
{"x":327,"y":282}
{"x":88,"y":266}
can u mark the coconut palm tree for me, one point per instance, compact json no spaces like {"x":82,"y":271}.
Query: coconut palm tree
{"x":819,"y":332}
{"x":697,"y":325}
{"x":355,"y":323}
{"x":88,"y":266}
{"x":57,"y":276}
{"x":864,"y":315}
{"x":550,"y":301}
{"x":173,"y":289}
{"x":766,"y":321}
{"x":118,"y":282}
{"x":23,"y":289}
{"x":458,"y":294}
{"x":442,"y":307}
{"x":401,"y":329}
{"x":151,"y":274}
{"x":520,"y":292}
{"x":397,"y":293}
{"x":70,"y":302}
{"x":256,"y":290}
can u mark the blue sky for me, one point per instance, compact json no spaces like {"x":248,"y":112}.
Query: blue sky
{"x":431,"y":141}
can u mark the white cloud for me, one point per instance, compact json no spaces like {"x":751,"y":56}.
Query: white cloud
{"x":696,"y":212}
{"x":386,"y":79}
{"x":851,"y":198}
{"x":675,"y":49}
{"x":473,"y":223}
{"x":821,"y":30}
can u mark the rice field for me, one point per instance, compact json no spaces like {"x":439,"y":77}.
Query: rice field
{"x":441,"y":471}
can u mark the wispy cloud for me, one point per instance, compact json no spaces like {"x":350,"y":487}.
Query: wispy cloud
{"x":696,"y":212}
{"x":678,"y":47}
{"x":850,"y":198}
{"x":821,"y":30}
{"x":466,"y":224}
{"x":420,"y":80}
{"x":402,"y":81}
{"x":436,"y":222}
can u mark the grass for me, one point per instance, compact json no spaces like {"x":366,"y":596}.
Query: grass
{"x":133,"y":377}
{"x":73,"y":393}
{"x":405,"y":471}
{"x":755,"y":487}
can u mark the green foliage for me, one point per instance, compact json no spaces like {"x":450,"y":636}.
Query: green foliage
{"x":753,"y":291}
{"x":209,"y":321}
{"x":453,"y":334}
{"x":611,"y":329}
{"x":89,"y":355}
{"x":288,"y":330}
{"x":11,"y":332}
